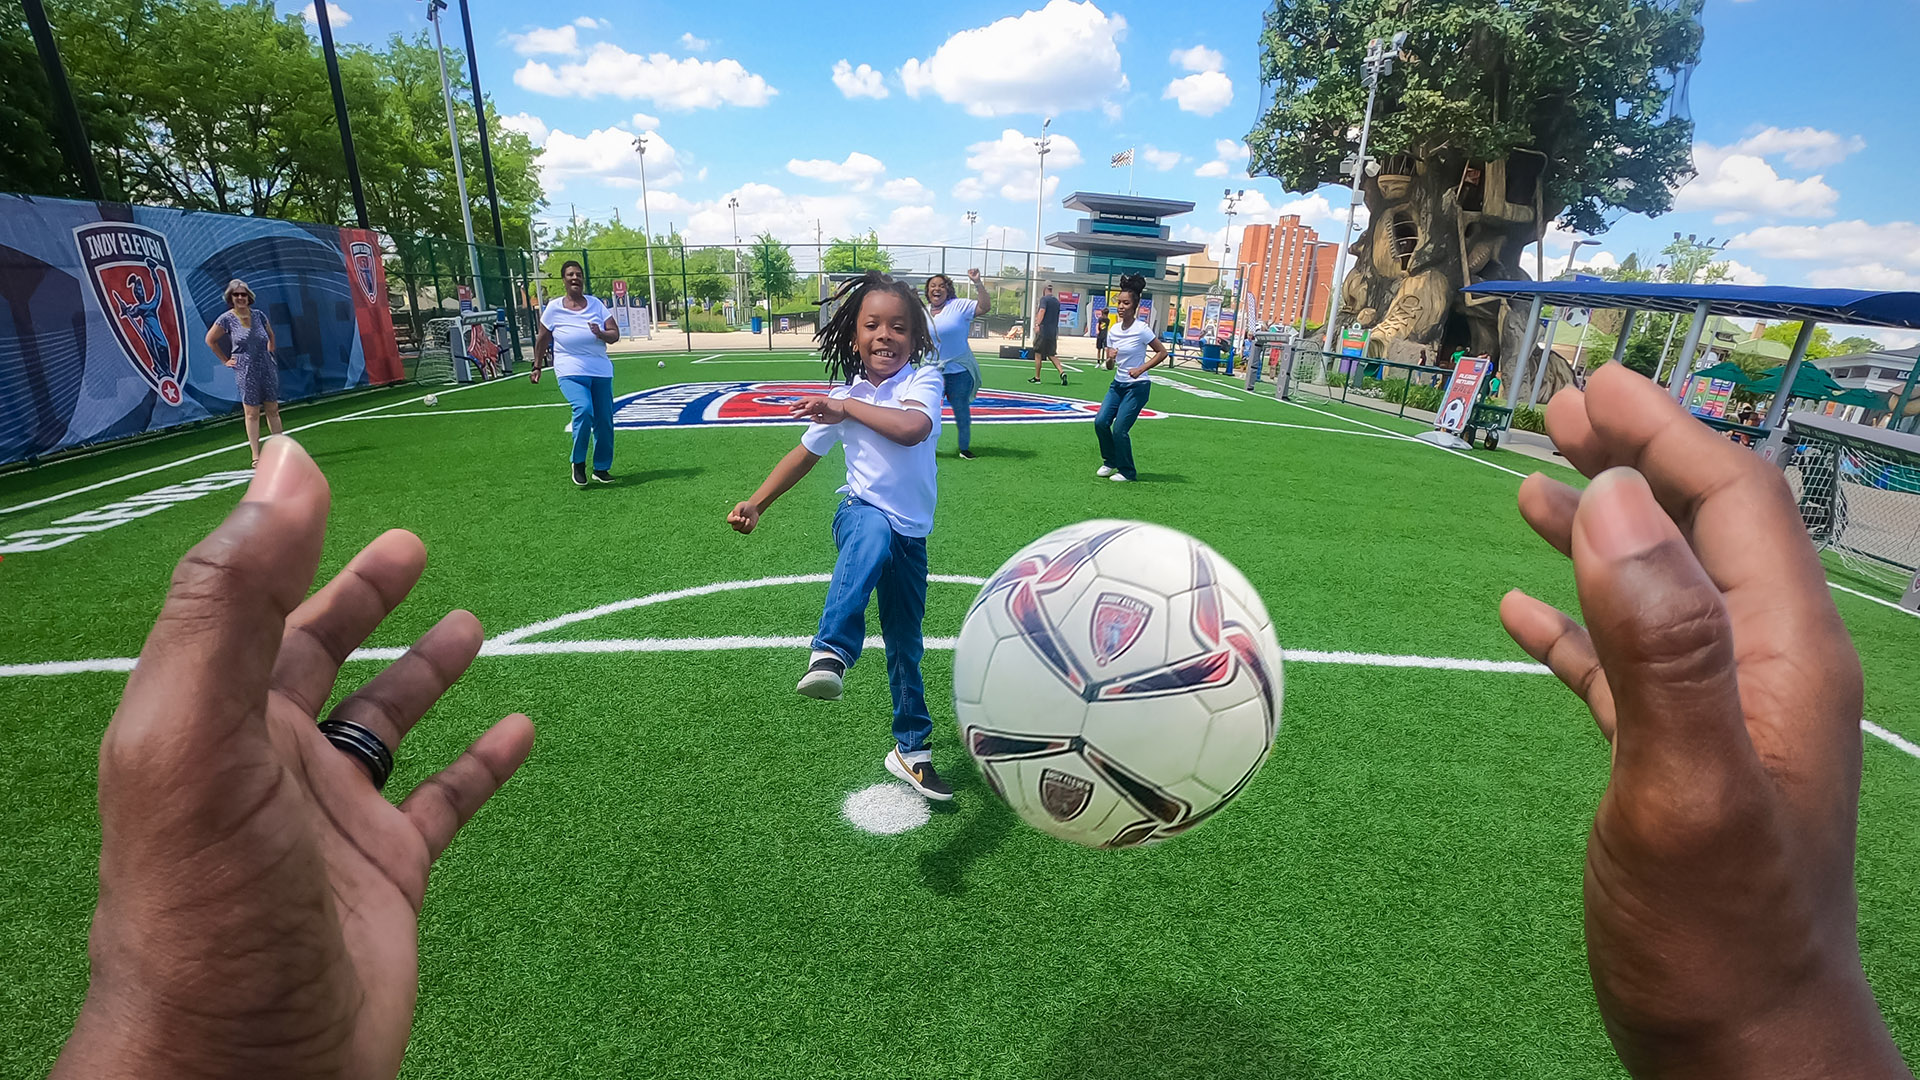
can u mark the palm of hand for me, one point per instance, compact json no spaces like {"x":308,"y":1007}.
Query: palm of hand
{"x":259,"y":898}
{"x":1719,"y":884}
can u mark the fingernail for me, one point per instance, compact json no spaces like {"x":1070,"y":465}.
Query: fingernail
{"x":1620,"y":516}
{"x":276,"y":473}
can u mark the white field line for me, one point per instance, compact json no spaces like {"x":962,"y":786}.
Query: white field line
{"x":1283,"y":424}
{"x":1408,"y":438}
{"x":1896,"y":741}
{"x":704,"y":359}
{"x":229,"y":449}
{"x":431,"y":411}
{"x":1875,"y":599}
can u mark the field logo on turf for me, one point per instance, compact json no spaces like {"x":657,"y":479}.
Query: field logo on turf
{"x":132,"y":272}
{"x":719,"y":404}
{"x":115,"y":514}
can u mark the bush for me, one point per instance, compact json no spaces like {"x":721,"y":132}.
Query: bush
{"x":1336,"y":379}
{"x":1394,"y":390}
{"x":1424,"y":397}
{"x":702,"y":322}
{"x":1529,"y":418}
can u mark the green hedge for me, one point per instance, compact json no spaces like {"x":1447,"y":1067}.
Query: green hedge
{"x":1528,"y":418}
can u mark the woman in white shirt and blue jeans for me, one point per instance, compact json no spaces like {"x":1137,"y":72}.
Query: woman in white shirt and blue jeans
{"x":952,"y":320}
{"x":1128,"y":343}
{"x":575,"y":330}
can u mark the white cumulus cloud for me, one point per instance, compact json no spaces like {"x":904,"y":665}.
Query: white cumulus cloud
{"x":1737,"y":182}
{"x":337,"y":16}
{"x":1203,"y":94}
{"x":607,"y":155}
{"x":859,"y":171}
{"x":645,"y":122}
{"x":548,"y":41}
{"x":858,"y":82}
{"x":526,"y":124}
{"x":682,"y":84}
{"x":1802,"y":148}
{"x":913,"y":225}
{"x":906,"y":190}
{"x":1870,"y":275}
{"x":693,"y":44}
{"x":1198,"y":58}
{"x":765,"y":208}
{"x":1010,"y":166}
{"x":1229,"y":159}
{"x":1061,"y":57}
{"x":1161,"y":160}
{"x":1849,"y":243}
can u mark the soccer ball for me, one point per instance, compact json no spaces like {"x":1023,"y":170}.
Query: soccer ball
{"x":430,"y":399}
{"x":663,"y":363}
{"x":1117,"y":683}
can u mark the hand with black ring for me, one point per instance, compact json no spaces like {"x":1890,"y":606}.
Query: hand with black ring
{"x":259,"y":898}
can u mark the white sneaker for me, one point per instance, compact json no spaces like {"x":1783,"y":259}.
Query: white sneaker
{"x":823,"y":680}
{"x":1117,"y":478}
{"x":1103,"y":471}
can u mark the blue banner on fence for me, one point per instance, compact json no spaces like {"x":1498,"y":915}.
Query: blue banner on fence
{"x":104,"y":310}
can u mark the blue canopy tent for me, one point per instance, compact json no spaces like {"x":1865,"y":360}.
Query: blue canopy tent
{"x":1852,"y":307}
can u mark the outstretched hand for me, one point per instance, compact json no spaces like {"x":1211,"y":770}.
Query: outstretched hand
{"x":1720,"y":906}
{"x":259,"y":899}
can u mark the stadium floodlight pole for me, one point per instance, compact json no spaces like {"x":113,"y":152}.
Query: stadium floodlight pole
{"x":646,"y":222}
{"x":973,"y":216}
{"x":733,"y":204}
{"x":325,"y":23}
{"x":486,"y":168}
{"x":1232,"y":199}
{"x":1045,"y":145}
{"x":74,"y":131}
{"x":1379,"y":62}
{"x":434,"y":8}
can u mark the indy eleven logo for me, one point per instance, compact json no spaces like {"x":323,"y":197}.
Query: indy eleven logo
{"x":132,"y":272}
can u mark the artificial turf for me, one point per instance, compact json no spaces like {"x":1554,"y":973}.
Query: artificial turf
{"x":668,"y":889}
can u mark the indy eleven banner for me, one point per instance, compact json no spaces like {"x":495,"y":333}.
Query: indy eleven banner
{"x":104,"y":310}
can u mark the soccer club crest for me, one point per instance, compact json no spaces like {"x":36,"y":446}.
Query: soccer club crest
{"x":362,"y":255}
{"x":1064,"y":795}
{"x":134,"y":280}
{"x":1117,"y":623}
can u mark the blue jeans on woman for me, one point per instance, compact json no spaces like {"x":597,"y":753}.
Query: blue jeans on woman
{"x":875,"y":558}
{"x":1115,"y":419}
{"x":592,"y":399}
{"x":960,"y":390}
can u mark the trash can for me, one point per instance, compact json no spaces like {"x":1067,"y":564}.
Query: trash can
{"x":758,"y":324}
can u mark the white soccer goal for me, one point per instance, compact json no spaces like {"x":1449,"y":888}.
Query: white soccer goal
{"x":1859,"y":494}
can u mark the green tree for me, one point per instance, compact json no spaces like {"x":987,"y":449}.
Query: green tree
{"x":1643,"y":352}
{"x":1499,"y":117}
{"x":1855,"y":344}
{"x":856,"y":253}
{"x":1819,"y":347}
{"x":770,"y":267}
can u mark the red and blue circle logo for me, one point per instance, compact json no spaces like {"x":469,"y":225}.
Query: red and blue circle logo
{"x":719,"y":404}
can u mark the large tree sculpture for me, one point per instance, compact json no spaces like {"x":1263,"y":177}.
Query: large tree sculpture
{"x":1499,"y":116}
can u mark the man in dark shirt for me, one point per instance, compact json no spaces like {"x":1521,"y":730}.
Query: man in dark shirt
{"x":1046,"y":335}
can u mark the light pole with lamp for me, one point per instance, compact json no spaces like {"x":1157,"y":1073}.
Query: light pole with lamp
{"x":1044,"y":144}
{"x":739,"y":280}
{"x":1232,"y":199}
{"x":646,"y":222}
{"x":1677,"y":381}
{"x":434,"y":8}
{"x":973,"y":216}
{"x":1379,"y":62}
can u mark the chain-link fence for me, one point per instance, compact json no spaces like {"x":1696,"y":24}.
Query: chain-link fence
{"x":1385,"y":385}
{"x":769,"y":293}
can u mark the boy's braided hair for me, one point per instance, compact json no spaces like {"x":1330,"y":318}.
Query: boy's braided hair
{"x":837,"y":334}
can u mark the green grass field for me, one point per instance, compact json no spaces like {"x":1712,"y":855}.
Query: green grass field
{"x":668,"y":887}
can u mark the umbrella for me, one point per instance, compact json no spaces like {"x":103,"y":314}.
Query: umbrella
{"x":1866,"y":399}
{"x":1725,"y":370}
{"x":1811,"y":382}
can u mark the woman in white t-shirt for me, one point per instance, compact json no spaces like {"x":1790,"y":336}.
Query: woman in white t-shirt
{"x":575,"y":330}
{"x":952,"y":320}
{"x":1129,"y":340}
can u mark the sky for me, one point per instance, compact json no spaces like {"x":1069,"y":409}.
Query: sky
{"x":904,"y":118}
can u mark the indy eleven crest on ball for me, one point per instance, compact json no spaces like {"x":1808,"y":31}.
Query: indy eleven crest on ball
{"x":1117,"y":683}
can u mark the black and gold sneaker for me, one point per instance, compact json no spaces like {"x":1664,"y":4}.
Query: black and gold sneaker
{"x":920,"y":775}
{"x":823,"y":678}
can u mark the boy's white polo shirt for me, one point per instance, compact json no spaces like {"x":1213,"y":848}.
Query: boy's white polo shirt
{"x":898,"y":480}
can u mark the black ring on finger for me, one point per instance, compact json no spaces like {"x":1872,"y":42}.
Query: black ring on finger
{"x":362,"y":745}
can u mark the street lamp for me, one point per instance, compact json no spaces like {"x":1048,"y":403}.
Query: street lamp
{"x":434,"y":8}
{"x":646,"y":222}
{"x":733,"y":204}
{"x":1044,"y":145}
{"x":1379,"y":62}
{"x":1232,"y":198}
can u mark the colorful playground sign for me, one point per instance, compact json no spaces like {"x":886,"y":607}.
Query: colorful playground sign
{"x":1462,"y":390}
{"x":1709,"y":397}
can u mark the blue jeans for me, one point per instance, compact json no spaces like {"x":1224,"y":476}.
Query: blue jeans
{"x":592,"y":399}
{"x":960,"y":388}
{"x":874,"y":557}
{"x":1115,"y":419}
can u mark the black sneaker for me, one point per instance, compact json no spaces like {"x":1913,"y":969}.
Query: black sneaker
{"x":968,"y":454}
{"x":1063,"y":380}
{"x":823,"y":679}
{"x":603,"y":476}
{"x":579,"y":474}
{"x":1036,"y":378}
{"x":920,"y":775}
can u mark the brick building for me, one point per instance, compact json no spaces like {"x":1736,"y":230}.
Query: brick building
{"x":1285,"y":266}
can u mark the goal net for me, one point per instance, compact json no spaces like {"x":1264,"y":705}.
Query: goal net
{"x":1859,"y":494}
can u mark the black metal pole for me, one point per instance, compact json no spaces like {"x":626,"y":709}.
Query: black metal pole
{"x":340,"y":111}
{"x":79,"y":149}
{"x":486,"y":164}
{"x":686,"y":312}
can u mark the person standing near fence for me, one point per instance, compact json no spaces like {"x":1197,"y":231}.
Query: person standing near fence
{"x":243,"y":340}
{"x":575,"y":330}
{"x":1046,"y":335}
{"x":1128,"y":342}
{"x":952,"y":319}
